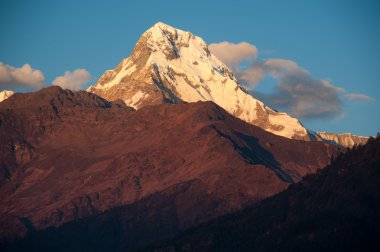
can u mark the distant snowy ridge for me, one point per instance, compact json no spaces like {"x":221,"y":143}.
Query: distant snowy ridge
{"x":345,"y":139}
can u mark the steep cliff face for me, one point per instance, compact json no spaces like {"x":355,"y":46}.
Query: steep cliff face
{"x":346,"y":139}
{"x":171,"y":65}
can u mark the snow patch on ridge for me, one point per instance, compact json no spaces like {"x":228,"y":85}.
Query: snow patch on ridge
{"x":5,"y":94}
{"x":135,"y":99}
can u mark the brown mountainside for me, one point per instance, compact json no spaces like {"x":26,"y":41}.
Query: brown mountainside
{"x":72,"y":155}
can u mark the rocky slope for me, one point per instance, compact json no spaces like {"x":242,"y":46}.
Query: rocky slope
{"x":336,"y":209}
{"x":346,"y":139}
{"x":67,"y":156}
{"x":171,"y":65}
{"x":5,"y":94}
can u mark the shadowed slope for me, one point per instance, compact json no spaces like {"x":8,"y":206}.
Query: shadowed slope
{"x":337,"y":209}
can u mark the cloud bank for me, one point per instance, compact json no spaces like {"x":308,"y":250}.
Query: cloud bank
{"x":73,"y":80}
{"x":232,"y":54}
{"x":296,"y":91}
{"x":358,"y":97}
{"x":25,"y":76}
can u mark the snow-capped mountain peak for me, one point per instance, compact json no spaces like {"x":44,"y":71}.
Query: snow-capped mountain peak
{"x":167,"y":40}
{"x":171,"y":65}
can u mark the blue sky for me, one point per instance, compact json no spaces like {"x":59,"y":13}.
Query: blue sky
{"x":336,"y":41}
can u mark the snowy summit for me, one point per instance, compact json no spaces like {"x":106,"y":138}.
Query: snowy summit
{"x":171,"y":65}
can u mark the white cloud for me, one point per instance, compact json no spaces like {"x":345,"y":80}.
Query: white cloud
{"x":73,"y":80}
{"x":298,"y":92}
{"x":25,"y":76}
{"x":252,"y":76}
{"x":363,"y":97}
{"x":232,"y":54}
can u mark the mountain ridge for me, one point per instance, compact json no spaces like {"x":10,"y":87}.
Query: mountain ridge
{"x":344,"y":139}
{"x":54,"y":140}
